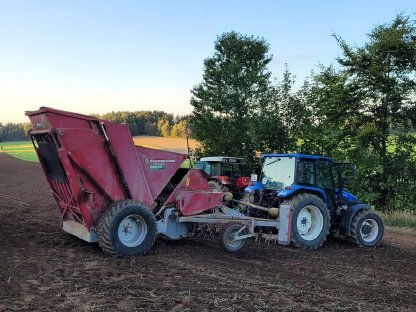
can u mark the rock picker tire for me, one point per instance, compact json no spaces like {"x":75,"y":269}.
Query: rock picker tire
{"x":227,"y":241}
{"x":367,"y":228}
{"x":126,"y":228}
{"x":310,"y":221}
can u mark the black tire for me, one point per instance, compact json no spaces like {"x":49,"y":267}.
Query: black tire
{"x":316,"y":220}
{"x":226,"y":240}
{"x":367,"y":228}
{"x":120,"y":214}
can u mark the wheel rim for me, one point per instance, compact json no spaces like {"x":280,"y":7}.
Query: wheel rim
{"x":369,"y":230}
{"x":231,"y":241}
{"x":132,"y":231}
{"x":309,"y":222}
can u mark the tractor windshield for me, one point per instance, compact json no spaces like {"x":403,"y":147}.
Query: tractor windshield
{"x":278,"y":172}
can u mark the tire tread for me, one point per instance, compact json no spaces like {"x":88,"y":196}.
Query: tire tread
{"x":355,"y":230}
{"x":294,"y":202}
{"x":106,"y":222}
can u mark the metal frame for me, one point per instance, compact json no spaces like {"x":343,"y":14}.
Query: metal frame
{"x":249,"y":223}
{"x":175,"y":226}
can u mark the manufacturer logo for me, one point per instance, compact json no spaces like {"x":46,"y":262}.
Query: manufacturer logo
{"x":157,"y":166}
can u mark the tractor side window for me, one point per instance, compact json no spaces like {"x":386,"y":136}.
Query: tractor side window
{"x":324,"y":175}
{"x":216,"y":169}
{"x":305,"y":173}
{"x":227,"y":170}
{"x":243,"y":171}
{"x":200,"y":165}
{"x":208,"y":168}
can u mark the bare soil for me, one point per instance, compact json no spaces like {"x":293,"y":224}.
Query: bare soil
{"x":177,"y":145}
{"x":44,"y":269}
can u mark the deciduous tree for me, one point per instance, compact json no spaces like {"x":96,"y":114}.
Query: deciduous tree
{"x":366,"y":111}
{"x":228,"y":101}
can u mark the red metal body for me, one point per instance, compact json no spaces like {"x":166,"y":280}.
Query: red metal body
{"x":90,"y":163}
{"x":242,"y":182}
{"x":190,"y":202}
{"x":225,"y":180}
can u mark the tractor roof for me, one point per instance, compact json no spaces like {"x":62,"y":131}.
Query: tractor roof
{"x":297,"y":156}
{"x":222,"y":159}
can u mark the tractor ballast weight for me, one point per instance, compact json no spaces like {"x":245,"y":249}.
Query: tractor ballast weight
{"x":109,"y":190}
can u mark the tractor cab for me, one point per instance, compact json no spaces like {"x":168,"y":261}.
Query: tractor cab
{"x":283,"y":175}
{"x":316,"y":186}
{"x":226,"y":173}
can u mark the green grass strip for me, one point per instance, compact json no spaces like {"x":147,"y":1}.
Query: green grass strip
{"x":20,"y":149}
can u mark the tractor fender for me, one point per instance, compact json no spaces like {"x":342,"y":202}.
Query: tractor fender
{"x":254,"y":186}
{"x":295,"y":189}
{"x":345,"y":224}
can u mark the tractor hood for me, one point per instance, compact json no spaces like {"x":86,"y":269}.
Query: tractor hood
{"x":349,"y":198}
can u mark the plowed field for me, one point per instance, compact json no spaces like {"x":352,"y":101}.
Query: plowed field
{"x":44,"y":269}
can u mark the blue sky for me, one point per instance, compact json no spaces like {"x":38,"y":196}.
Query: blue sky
{"x":100,"y":56}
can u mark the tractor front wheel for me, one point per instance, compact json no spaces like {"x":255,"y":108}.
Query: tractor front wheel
{"x":310,"y":221}
{"x":367,"y":228}
{"x":126,"y":228}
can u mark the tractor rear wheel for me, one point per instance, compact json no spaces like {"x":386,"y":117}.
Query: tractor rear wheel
{"x":310,"y":221}
{"x":126,"y":228}
{"x":227,"y":237}
{"x":367,"y":228}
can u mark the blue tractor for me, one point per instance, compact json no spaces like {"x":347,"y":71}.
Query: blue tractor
{"x":313,"y":187}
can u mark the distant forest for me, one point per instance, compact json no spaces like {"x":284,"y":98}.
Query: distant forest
{"x":156,"y":123}
{"x":14,"y":131}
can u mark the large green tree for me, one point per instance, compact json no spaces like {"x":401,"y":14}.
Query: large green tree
{"x":229,"y":100}
{"x":366,"y":112}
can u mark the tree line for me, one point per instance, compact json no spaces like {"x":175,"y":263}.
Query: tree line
{"x":360,"y":109}
{"x":155,"y":123}
{"x":14,"y":131}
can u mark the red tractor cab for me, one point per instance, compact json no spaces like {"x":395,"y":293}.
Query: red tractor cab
{"x":226,"y":173}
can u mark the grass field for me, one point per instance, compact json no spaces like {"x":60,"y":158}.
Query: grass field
{"x":20,"y":149}
{"x":24,"y":149}
{"x":400,"y":218}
